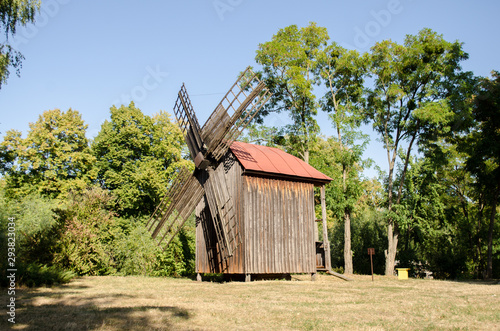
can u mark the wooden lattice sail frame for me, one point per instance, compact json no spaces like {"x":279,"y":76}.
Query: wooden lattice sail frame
{"x":207,"y":146}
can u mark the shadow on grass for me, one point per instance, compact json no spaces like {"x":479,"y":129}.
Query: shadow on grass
{"x":480,"y":281}
{"x":68,"y":308}
{"x":89,"y":317}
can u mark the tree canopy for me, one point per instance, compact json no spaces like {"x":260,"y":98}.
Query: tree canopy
{"x":52,"y":160}
{"x":408,"y":102}
{"x":288,"y":63}
{"x":483,"y":147}
{"x":137,"y":156}
{"x":14,"y":13}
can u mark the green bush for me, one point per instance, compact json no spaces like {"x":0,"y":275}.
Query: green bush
{"x":83,"y":236}
{"x":86,"y":241}
{"x":134,"y":250}
{"x":170,"y":262}
{"x":36,"y":234}
{"x":42,"y":275}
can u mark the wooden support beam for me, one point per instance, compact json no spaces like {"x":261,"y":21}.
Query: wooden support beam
{"x":326,"y":244}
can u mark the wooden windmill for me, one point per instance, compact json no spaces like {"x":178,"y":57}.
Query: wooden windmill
{"x":254,"y":204}
{"x":207,"y":146}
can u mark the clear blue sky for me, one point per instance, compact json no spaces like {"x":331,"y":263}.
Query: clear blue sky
{"x":89,"y":55}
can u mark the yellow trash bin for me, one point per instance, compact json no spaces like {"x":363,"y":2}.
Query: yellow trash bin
{"x":402,"y":273}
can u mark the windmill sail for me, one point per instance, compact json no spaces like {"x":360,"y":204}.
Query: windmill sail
{"x":223,"y":213}
{"x":188,"y":122}
{"x":174,"y":210}
{"x":207,"y":147}
{"x":238,"y":107}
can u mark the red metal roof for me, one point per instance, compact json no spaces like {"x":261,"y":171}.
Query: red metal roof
{"x":272,"y":160}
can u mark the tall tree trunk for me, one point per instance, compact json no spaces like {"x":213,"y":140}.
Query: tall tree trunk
{"x":390,"y":253}
{"x":392,"y":236}
{"x":478,"y":265}
{"x":348,"y":267}
{"x":493,"y":214}
{"x":392,"y":233}
{"x":392,"y":228}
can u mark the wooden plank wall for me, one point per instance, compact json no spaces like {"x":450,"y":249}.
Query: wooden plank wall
{"x":279,"y":226}
{"x":208,"y":259}
{"x":276,"y":222}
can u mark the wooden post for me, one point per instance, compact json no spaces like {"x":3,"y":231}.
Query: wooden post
{"x":326,"y":244}
{"x":248,"y":278}
{"x":198,"y":277}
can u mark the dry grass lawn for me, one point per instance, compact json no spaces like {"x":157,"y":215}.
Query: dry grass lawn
{"x":137,"y":303}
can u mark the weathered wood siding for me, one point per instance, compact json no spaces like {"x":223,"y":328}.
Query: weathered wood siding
{"x":276,"y":226}
{"x":279,"y":226}
{"x":208,"y":258}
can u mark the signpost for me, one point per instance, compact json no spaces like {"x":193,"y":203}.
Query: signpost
{"x":371,"y":252}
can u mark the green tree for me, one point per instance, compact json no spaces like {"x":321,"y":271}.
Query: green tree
{"x":409,"y":100}
{"x":429,"y":221}
{"x":483,"y":147}
{"x":53,"y":159}
{"x":261,"y":134}
{"x":14,"y":13}
{"x":465,"y":206}
{"x":332,"y":158}
{"x":288,"y":63}
{"x":367,"y":222}
{"x":136,"y":158}
{"x":342,"y":72}
{"x":369,"y":227}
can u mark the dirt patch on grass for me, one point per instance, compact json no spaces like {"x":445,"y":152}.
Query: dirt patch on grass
{"x":141,"y":303}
